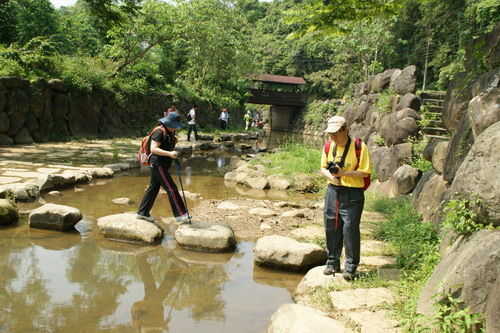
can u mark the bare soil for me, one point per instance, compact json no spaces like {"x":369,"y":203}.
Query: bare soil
{"x":248,"y":225}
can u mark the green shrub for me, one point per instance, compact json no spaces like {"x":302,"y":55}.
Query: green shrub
{"x":318,"y":112}
{"x":383,"y":104}
{"x":461,"y":219}
{"x":452,"y":316}
{"x":416,"y":242}
{"x":418,"y":161}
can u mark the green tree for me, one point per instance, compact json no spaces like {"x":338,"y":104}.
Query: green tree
{"x":27,"y":19}
{"x":329,"y":16}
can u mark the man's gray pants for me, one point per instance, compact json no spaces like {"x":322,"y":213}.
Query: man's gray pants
{"x":341,"y":219}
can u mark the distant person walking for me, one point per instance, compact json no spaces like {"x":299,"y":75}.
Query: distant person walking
{"x":192,"y":123}
{"x":162,"y":153}
{"x":224,"y":116}
{"x":248,"y":119}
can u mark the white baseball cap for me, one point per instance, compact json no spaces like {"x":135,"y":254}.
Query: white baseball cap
{"x":335,"y":123}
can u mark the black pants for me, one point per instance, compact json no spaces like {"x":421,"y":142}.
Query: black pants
{"x":192,"y":128}
{"x":161,"y":177}
{"x":343,"y":209}
{"x":223,"y":124}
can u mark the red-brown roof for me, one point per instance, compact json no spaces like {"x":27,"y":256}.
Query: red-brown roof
{"x":277,"y":79}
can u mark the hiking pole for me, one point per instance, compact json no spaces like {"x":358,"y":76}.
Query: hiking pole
{"x":178,"y":167}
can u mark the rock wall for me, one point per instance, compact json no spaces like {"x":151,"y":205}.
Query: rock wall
{"x":43,"y":111}
{"x":465,"y":166}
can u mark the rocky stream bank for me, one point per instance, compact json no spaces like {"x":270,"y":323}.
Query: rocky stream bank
{"x":28,"y":171}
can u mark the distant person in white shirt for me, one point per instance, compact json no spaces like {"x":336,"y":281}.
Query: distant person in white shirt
{"x":192,"y":123}
{"x":223,"y":119}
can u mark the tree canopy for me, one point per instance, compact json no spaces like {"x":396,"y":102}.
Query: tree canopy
{"x":203,"y":49}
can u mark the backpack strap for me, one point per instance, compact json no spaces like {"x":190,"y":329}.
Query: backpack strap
{"x":327,"y":147}
{"x":357,"y":147}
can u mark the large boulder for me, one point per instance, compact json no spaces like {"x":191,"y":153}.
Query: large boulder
{"x":8,"y":212}
{"x":478,"y":175}
{"x":381,"y":81}
{"x":286,"y":253}
{"x":409,"y":100}
{"x":55,"y":217}
{"x":126,"y":228}
{"x":388,"y":159}
{"x":484,"y":109}
{"x":399,"y":126}
{"x":405,"y":82}
{"x":460,"y":143}
{"x":428,"y":194}
{"x":406,"y":178}
{"x":295,"y":318}
{"x":212,"y":237}
{"x":439,"y":155}
{"x":492,"y":313}
{"x":468,"y":270}
{"x":456,"y":102}
{"x":361,"y":131}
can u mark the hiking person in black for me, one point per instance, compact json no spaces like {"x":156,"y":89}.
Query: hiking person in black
{"x":162,"y":153}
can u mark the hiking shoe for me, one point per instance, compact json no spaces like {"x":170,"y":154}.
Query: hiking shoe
{"x":183,"y":218}
{"x":145,"y":218}
{"x":329,"y":271}
{"x":336,"y":267}
{"x":350,"y":276}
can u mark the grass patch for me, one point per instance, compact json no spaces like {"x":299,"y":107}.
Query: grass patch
{"x":294,"y":158}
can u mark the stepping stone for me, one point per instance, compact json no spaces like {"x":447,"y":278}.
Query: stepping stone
{"x":371,"y":247}
{"x":369,"y":216}
{"x":378,"y":260}
{"x":228,"y":205}
{"x":9,"y":180}
{"x":352,"y":299}
{"x":264,"y":212}
{"x":391,"y":274}
{"x":374,"y":322}
{"x":126,"y":228}
{"x":315,"y":279}
{"x":212,"y":237}
{"x":55,"y":217}
{"x":293,"y":213}
{"x":122,"y":201}
{"x":308,"y":233}
{"x":295,"y":318}
{"x":286,"y":253}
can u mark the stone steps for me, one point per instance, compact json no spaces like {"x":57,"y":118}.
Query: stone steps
{"x":433,"y":101}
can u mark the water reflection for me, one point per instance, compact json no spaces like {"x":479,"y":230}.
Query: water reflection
{"x":148,"y":314}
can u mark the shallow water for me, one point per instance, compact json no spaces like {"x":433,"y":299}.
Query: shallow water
{"x":81,"y":282}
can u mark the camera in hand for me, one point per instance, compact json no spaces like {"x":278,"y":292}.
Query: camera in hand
{"x":333,"y":167}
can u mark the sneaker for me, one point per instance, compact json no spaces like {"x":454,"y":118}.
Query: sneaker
{"x":329,"y":271}
{"x":350,"y":276}
{"x":145,"y":218}
{"x":183,"y":218}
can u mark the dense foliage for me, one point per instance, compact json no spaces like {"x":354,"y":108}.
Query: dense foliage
{"x":203,"y":49}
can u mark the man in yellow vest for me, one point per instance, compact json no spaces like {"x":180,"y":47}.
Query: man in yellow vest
{"x":344,"y":198}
